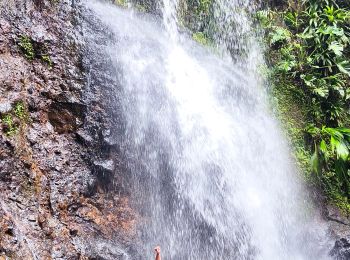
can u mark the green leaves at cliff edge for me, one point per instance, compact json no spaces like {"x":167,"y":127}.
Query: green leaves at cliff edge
{"x":309,"y":51}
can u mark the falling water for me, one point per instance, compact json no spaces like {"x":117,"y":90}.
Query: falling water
{"x":212,"y":177}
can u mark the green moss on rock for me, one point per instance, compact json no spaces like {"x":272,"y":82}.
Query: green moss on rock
{"x":26,"y":45}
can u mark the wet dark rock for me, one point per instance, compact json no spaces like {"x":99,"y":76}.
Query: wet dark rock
{"x":338,"y":223}
{"x":338,"y":227}
{"x":106,"y":166}
{"x":104,"y":250}
{"x":111,"y":139}
{"x":32,"y":218}
{"x":66,"y":117}
{"x":341,"y":250}
{"x":52,"y":205}
{"x":333,"y":214}
{"x":84,"y":137}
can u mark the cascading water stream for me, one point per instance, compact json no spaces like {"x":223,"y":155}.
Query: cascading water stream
{"x":212,"y":177}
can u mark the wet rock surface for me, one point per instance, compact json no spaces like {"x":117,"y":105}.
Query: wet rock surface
{"x":64,"y":191}
{"x":339,"y":228}
{"x":54,"y":201}
{"x":341,"y":250}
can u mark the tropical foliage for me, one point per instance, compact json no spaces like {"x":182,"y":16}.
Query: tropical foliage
{"x":309,"y":54}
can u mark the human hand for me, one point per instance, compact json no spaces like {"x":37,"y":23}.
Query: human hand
{"x":157,"y":250}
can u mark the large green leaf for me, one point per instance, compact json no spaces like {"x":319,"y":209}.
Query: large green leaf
{"x":324,"y":149}
{"x":312,"y":130}
{"x":279,"y":34}
{"x":321,"y":91}
{"x":344,"y":67}
{"x":333,"y":132}
{"x":337,"y":48}
{"x":331,"y":30}
{"x":345,"y":132}
{"x":334,"y":142}
{"x":308,"y":79}
{"x":342,"y":150}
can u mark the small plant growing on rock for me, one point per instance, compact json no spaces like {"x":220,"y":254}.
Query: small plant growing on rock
{"x":46,"y":58}
{"x":32,"y":50}
{"x":20,"y":110}
{"x":121,"y":3}
{"x":27,"y":47}
{"x":200,"y":38}
{"x":9,"y":126}
{"x":14,"y":120}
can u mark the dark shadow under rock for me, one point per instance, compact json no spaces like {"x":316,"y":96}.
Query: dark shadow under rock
{"x":66,"y":117}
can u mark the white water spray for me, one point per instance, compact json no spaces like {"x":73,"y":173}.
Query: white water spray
{"x":212,"y":173}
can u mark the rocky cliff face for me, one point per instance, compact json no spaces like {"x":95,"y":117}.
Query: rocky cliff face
{"x":339,"y":228}
{"x":64,"y":187}
{"x":57,"y":157}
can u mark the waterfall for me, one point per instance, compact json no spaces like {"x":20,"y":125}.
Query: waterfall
{"x":211,"y":172}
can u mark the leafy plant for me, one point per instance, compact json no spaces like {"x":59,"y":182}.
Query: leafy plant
{"x":200,"y":38}
{"x":331,"y":156}
{"x":122,"y":3}
{"x":27,"y":47}
{"x":309,"y":51}
{"x":203,"y":6}
{"x":15,"y":119}
{"x":279,"y":34}
{"x":40,"y":50}
{"x":46,"y":58}
{"x":20,"y":110}
{"x":8,"y":125}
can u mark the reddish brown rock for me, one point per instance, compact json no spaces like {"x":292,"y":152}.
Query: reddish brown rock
{"x":54,"y":204}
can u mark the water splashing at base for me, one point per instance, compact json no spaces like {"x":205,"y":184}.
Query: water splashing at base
{"x":211,"y":172}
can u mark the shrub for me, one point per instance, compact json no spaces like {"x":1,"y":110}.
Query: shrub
{"x":310,"y":51}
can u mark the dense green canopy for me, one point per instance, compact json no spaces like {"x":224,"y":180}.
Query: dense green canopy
{"x":309,"y":56}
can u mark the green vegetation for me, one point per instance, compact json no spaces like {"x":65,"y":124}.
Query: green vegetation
{"x":46,"y":58}
{"x":15,"y":119}
{"x":20,"y":110}
{"x":10,"y":128}
{"x":32,"y":50}
{"x":196,"y":16}
{"x":121,"y":3}
{"x":308,"y":51}
{"x":200,"y":38}
{"x":26,"y":45}
{"x":203,"y":7}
